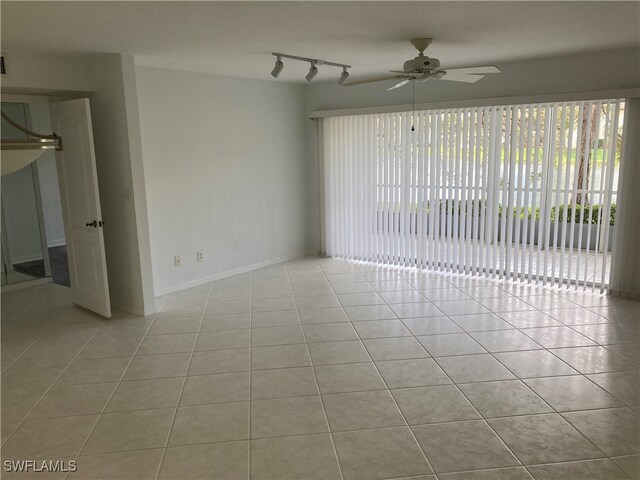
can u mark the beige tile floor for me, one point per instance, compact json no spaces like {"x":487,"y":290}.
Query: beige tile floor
{"x":323,"y":369}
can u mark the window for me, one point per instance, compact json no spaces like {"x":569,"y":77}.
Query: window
{"x":521,"y":191}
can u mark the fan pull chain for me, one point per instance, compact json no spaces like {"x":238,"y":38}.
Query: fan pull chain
{"x":413,"y":105}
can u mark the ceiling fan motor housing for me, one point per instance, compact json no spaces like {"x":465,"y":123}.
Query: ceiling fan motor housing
{"x":422,"y":64}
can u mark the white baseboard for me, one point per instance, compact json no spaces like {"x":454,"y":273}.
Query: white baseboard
{"x":56,"y":243}
{"x":29,"y":283}
{"x":230,"y":273}
{"x":135,"y":309}
{"x":26,"y":258}
{"x":625,"y":294}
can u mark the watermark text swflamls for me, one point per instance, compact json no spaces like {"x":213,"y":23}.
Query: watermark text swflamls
{"x":62,"y":466}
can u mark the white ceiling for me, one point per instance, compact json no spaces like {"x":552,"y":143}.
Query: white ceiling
{"x":236,"y":38}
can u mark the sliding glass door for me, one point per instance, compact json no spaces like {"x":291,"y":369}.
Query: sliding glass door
{"x":520,"y":191}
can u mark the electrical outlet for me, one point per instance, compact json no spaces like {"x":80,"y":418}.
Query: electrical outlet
{"x":199,"y":256}
{"x":176,"y":261}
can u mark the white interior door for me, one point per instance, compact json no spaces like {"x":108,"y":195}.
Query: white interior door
{"x":81,"y":205}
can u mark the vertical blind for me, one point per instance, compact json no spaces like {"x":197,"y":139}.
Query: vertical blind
{"x":525,"y":192}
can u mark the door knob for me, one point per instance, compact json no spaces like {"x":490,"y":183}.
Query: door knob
{"x":93,"y":224}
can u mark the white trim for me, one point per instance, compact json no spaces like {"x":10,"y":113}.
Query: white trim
{"x":20,"y":98}
{"x":57,"y":243}
{"x":28,"y":283}
{"x":484,"y":102}
{"x":624,"y":294}
{"x":135,"y":309}
{"x":237,"y":271}
{"x":27,"y":258}
{"x":39,"y":208}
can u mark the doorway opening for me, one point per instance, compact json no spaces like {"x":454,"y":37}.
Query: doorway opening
{"x":33,"y":237}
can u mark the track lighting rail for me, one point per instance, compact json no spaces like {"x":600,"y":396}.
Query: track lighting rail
{"x":310,"y":60}
{"x":313,"y":70}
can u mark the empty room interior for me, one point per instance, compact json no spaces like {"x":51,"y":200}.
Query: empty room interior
{"x":320,"y":240}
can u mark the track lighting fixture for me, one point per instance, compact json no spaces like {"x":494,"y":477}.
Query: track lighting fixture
{"x":278,"y":67}
{"x":344,"y":76}
{"x":313,"y":71}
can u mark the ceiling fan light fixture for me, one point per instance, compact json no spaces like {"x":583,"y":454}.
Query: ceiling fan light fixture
{"x":344,"y":76}
{"x":278,"y":67}
{"x":313,"y":71}
{"x":423,"y":68}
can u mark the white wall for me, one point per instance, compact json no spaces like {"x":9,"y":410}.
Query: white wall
{"x":109,"y":81}
{"x":116,"y":130}
{"x":29,"y":72}
{"x":48,"y":178}
{"x":224,"y":162}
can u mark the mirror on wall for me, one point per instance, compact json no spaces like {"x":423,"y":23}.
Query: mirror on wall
{"x":32,"y":241}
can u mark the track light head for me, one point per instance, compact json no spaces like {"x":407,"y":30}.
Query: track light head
{"x":313,"y":71}
{"x":344,"y":76}
{"x":278,"y":67}
{"x":314,"y":62}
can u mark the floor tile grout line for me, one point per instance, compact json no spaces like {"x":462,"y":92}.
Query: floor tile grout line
{"x":517,"y":377}
{"x":524,"y":466}
{"x":470,"y":403}
{"x":550,"y":350}
{"x":390,"y":389}
{"x":360,"y":430}
{"x":404,"y":419}
{"x":117,"y":383}
{"x":4,"y":369}
{"x":102,"y":412}
{"x":315,"y":377}
{"x":250,"y":437}
{"x":624,"y":403}
{"x":492,"y":429}
{"x":49,"y":388}
{"x":544,"y":401}
{"x":533,"y":308}
{"x":519,"y":329}
{"x":149,"y":333}
{"x":184,"y":381}
{"x":522,"y":379}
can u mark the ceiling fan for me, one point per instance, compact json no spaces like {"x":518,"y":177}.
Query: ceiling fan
{"x":422,"y":68}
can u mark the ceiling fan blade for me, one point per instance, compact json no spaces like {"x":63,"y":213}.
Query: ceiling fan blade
{"x":398,"y":85}
{"x":475,"y":70}
{"x":461,"y":77}
{"x":370,"y":80}
{"x":468,"y":74}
